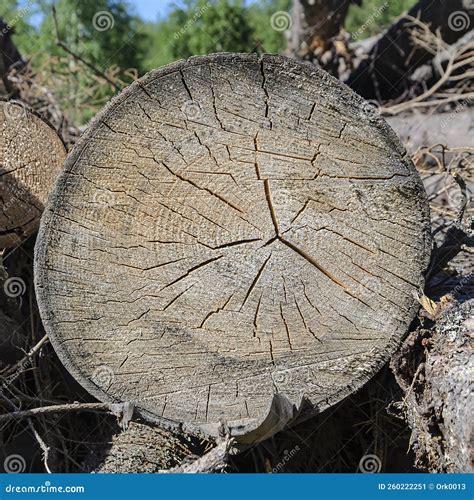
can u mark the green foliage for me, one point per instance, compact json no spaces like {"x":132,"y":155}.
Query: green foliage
{"x":202,"y":27}
{"x":268,"y":39}
{"x":108,"y":34}
{"x":214,"y":27}
{"x":374,"y":16}
{"x":17,"y":15}
{"x":101,"y":31}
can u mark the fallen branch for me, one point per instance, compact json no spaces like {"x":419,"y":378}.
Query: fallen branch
{"x":457,"y":60}
{"x":19,"y":365}
{"x":398,"y":54}
{"x":49,"y":410}
{"x":432,"y":367}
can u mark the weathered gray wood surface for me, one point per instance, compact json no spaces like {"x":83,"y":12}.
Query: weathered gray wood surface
{"x":31,"y":156}
{"x":233,"y":236}
{"x":138,"y":449}
{"x":449,"y":395}
{"x":439,"y":396}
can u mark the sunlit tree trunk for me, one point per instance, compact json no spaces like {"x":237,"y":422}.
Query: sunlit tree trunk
{"x":316,"y":25}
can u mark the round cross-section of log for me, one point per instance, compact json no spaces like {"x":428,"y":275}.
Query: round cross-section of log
{"x":31,"y":156}
{"x":233,"y":236}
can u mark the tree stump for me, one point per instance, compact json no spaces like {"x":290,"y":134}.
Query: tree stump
{"x":234,"y":244}
{"x":31,"y":156}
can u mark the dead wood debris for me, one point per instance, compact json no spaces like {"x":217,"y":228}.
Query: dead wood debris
{"x":434,"y":365}
{"x":448,"y":78}
{"x":431,"y":369}
{"x":215,"y":460}
{"x":434,"y":368}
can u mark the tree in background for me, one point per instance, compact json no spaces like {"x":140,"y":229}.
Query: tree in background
{"x":103,"y":32}
{"x":383,"y":74}
{"x":195,"y":27}
{"x":17,"y":15}
{"x":108,"y":35}
{"x":373,"y":16}
{"x":270,"y":37}
{"x":202,"y":27}
{"x":322,"y":30}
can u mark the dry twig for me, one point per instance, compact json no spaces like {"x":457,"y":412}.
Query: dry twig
{"x":453,"y":63}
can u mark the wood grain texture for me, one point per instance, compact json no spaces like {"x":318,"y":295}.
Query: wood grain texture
{"x":31,"y":156}
{"x":139,"y":449}
{"x":231,"y":228}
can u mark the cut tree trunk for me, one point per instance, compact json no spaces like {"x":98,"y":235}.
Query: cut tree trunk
{"x":315,"y":22}
{"x":315,"y":29}
{"x":234,"y":245}
{"x":383,"y":75}
{"x":31,"y":156}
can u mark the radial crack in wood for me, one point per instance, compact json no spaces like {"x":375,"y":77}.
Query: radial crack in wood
{"x":241,"y":255}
